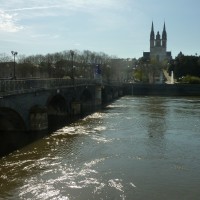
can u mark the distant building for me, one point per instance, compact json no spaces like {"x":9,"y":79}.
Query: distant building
{"x":158,"y":52}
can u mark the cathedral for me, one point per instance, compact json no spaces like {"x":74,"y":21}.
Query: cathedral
{"x":158,"y":51}
{"x":158,"y":46}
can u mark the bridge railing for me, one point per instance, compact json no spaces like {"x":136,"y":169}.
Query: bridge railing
{"x":25,"y":85}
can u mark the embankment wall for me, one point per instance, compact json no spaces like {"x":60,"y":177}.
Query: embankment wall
{"x":162,"y":89}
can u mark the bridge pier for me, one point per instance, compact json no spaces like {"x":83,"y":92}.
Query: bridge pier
{"x":38,"y":119}
{"x":76,"y":108}
{"x":98,"y":96}
{"x":120,"y":92}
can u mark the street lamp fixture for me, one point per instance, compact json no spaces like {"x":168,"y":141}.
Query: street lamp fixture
{"x":14,"y":53}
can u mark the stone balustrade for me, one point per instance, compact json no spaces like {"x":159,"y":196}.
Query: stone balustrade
{"x":24,"y":85}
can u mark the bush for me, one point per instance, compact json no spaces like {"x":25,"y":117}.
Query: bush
{"x":190,"y":80}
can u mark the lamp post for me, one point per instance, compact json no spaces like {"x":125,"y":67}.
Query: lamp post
{"x":72,"y":68}
{"x":14,"y":53}
{"x":108,"y":71}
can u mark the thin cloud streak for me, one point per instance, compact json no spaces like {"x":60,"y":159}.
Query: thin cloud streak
{"x":46,"y":36}
{"x":74,"y":5}
{"x":34,"y":8}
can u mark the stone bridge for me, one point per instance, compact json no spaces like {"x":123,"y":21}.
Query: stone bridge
{"x":36,"y":104}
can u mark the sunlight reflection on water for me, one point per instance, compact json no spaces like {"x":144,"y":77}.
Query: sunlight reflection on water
{"x":141,"y":148}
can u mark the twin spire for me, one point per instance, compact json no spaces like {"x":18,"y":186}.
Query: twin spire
{"x":157,"y":41}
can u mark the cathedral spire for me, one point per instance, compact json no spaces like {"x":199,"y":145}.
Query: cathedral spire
{"x":164,"y":33}
{"x":164,"y":27}
{"x":152,"y":36}
{"x":152,"y":28}
{"x":164,"y":37}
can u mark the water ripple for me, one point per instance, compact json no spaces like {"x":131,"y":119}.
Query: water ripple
{"x":116,"y":183}
{"x":135,"y":149}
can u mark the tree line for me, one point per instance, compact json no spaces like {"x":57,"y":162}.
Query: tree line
{"x":84,"y":64}
{"x":55,"y":65}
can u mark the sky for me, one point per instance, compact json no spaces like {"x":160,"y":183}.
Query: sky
{"x":116,"y":27}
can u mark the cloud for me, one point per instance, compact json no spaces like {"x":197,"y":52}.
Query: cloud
{"x":46,"y":36}
{"x":102,"y":13}
{"x":77,"y":44}
{"x":34,"y":8}
{"x":67,"y":5}
{"x":8,"y":22}
{"x":92,"y":6}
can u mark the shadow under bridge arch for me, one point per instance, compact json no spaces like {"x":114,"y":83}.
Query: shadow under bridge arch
{"x":87,"y":102}
{"x":57,"y":111}
{"x":10,"y":120}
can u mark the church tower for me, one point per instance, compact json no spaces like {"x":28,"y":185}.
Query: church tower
{"x":158,"y":45}
{"x":158,"y":55}
{"x":158,"y":41}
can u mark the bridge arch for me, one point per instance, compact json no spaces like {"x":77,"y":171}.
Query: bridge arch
{"x":10,"y":120}
{"x":57,"y":104}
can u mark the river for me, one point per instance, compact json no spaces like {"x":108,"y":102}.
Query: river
{"x":137,"y":148}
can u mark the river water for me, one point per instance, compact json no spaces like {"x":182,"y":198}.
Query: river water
{"x":138,"y":148}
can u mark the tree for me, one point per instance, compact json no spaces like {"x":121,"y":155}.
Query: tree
{"x":5,"y":58}
{"x":25,"y":70}
{"x":185,"y":65}
{"x":61,"y":68}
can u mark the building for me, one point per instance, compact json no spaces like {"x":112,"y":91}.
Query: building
{"x":158,"y":54}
